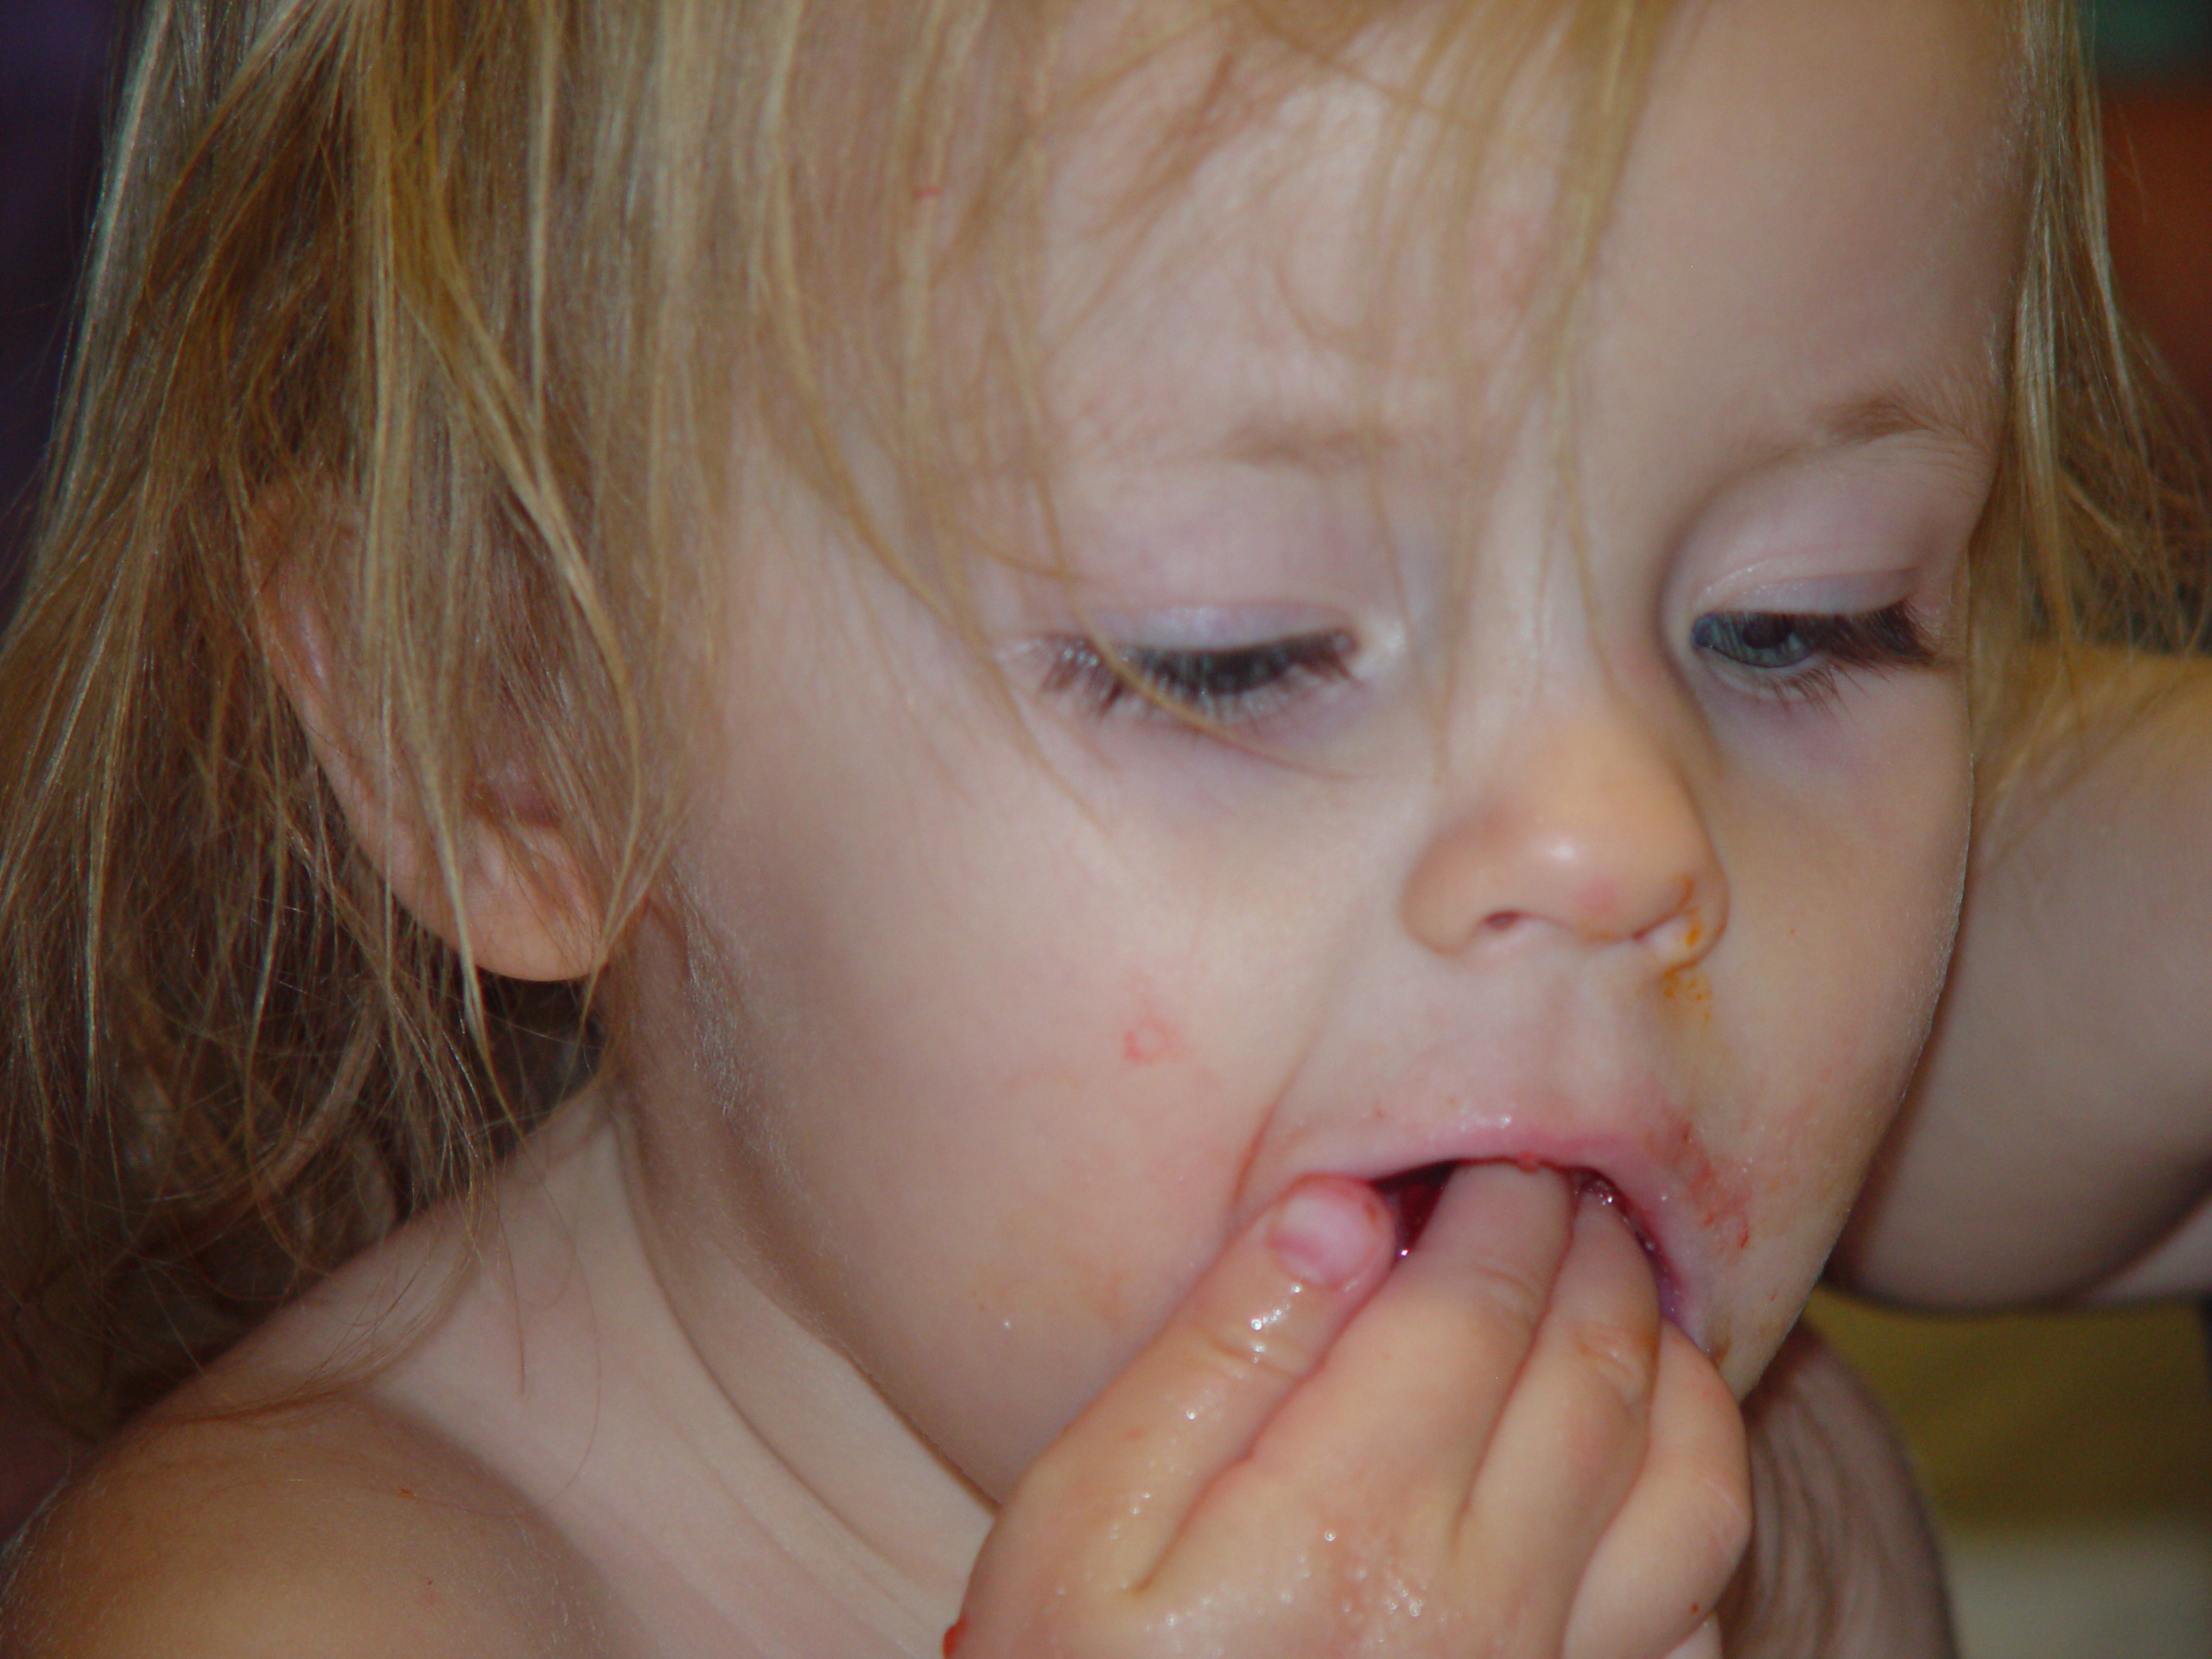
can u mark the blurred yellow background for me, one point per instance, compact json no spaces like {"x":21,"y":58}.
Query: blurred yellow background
{"x":2068,"y":1461}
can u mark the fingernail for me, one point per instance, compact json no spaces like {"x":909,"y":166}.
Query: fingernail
{"x":1328,"y":1232}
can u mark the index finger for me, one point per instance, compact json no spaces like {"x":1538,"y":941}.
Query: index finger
{"x":1191,"y":1404}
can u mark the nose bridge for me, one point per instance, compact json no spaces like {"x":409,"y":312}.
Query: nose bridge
{"x":1579,"y":821}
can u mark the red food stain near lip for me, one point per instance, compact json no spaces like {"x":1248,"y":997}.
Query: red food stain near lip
{"x":954,"y":1637}
{"x":1718,"y":1193}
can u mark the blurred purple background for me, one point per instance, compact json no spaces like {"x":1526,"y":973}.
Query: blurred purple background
{"x":56,"y":72}
{"x":54,"y":75}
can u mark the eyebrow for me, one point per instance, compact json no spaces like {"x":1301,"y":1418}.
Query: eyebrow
{"x":1308,"y":443}
{"x":1955,"y":405}
{"x":1951,"y":406}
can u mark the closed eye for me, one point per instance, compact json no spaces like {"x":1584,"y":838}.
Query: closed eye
{"x":1222,"y":685}
{"x":1799,"y":654}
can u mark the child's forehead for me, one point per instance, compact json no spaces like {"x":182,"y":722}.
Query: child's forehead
{"x":1841,"y":175}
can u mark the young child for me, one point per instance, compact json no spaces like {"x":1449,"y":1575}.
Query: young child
{"x":1220,"y":753}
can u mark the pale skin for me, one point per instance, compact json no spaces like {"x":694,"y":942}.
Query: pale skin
{"x":979,"y":1217}
{"x":2056,"y":1148}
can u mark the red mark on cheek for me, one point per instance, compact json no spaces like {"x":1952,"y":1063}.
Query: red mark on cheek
{"x":1152,"y":1036}
{"x":1150,"y":1041}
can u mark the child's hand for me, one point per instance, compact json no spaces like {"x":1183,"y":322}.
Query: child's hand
{"x":1499,"y":1450}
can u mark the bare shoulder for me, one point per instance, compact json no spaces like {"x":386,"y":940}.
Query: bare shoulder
{"x":334,"y":1528}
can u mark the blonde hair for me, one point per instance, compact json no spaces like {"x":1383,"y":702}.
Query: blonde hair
{"x":456,"y":311}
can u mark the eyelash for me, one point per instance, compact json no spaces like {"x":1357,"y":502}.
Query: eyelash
{"x":1793,"y":655}
{"x":1214,"y":685}
{"x":1798,"y":656}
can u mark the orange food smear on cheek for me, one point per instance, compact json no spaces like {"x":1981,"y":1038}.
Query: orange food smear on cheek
{"x":1688,"y":990}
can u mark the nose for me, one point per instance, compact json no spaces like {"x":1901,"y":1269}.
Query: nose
{"x":1583,"y":827}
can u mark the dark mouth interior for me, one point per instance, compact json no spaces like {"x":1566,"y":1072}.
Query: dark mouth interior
{"x":1411,"y":1195}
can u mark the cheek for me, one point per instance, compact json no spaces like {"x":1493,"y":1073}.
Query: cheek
{"x":995,"y":1147}
{"x":1091,"y":1243}
{"x":1073,"y":1226}
{"x":1850,"y":895}
{"x":991,"y":1061}
{"x":1841,"y":934}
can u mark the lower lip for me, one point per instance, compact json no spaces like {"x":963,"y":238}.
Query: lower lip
{"x":1411,"y":1197}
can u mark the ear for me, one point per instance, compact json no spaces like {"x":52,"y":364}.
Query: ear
{"x":525,"y":909}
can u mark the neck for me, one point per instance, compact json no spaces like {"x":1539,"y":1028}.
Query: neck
{"x":857,"y":1465}
{"x":738,"y":1483}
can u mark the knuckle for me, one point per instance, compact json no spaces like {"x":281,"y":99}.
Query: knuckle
{"x":1505,"y":1302}
{"x":1237,"y":1350}
{"x":1597,"y":1446}
{"x":1505,"y":1612}
{"x":1378,"y":1585}
{"x":1622,"y":1360}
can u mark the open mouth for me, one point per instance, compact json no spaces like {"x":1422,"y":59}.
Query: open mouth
{"x":1411,"y":1195}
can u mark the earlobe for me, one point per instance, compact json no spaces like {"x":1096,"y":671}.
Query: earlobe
{"x":529,"y":911}
{"x":512,"y":892}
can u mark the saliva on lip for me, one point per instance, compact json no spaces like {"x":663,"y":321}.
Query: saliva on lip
{"x":1411,"y":1195}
